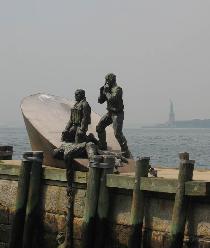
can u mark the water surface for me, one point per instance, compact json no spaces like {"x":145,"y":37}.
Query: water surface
{"x":162,"y":145}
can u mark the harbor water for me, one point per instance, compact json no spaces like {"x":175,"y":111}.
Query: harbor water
{"x":161,"y":144}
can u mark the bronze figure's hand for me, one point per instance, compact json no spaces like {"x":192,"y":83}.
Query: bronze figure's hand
{"x":80,"y":131}
{"x":64,"y":135}
{"x":102,"y":90}
{"x":106,"y":88}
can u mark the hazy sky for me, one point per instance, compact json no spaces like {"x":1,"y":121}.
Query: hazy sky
{"x":158,"y":49}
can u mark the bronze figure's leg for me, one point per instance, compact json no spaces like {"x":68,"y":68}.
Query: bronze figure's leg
{"x":69,"y":135}
{"x":72,"y":133}
{"x":118,"y":126}
{"x":105,"y":121}
{"x":80,"y":136}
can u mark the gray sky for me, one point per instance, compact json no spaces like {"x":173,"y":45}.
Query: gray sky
{"x":158,"y":49}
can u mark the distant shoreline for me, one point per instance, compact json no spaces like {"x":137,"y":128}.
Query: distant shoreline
{"x":195,"y":123}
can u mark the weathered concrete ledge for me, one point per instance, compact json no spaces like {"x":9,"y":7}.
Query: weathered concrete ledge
{"x":57,"y":176}
{"x":10,"y":169}
{"x":160,"y":185}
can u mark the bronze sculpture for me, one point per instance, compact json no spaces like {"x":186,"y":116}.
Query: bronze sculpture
{"x":80,"y":118}
{"x":76,"y":144}
{"x":112,"y":94}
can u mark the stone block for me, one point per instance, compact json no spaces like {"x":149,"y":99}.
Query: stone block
{"x":79,"y":202}
{"x":54,"y":199}
{"x":54,"y":223}
{"x":78,"y":228}
{"x":4,"y":215}
{"x":153,"y":239}
{"x":118,"y":236}
{"x":120,"y":206}
{"x":158,"y":214}
{"x":5,"y":233}
{"x":198,"y":220}
{"x":8,"y":191}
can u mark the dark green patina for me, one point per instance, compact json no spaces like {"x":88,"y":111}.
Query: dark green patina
{"x":112,"y":94}
{"x":80,"y":118}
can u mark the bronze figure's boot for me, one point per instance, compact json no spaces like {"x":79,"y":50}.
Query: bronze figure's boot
{"x":102,"y":145}
{"x":125,"y":151}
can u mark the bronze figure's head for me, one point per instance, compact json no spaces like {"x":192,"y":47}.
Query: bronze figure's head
{"x":79,"y":95}
{"x":110,"y":79}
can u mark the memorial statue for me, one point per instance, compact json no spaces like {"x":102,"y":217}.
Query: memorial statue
{"x":79,"y":145}
{"x":76,"y":145}
{"x":80,"y":118}
{"x":112,"y":94}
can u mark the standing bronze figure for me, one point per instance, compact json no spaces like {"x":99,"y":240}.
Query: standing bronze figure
{"x":80,"y":118}
{"x":112,"y":94}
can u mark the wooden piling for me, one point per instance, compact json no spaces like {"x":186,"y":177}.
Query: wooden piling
{"x":16,"y":236}
{"x":184,"y":156}
{"x":91,"y":203}
{"x":103,"y":203}
{"x":33,"y":206}
{"x":6,"y":152}
{"x":137,"y":208}
{"x":180,"y":204}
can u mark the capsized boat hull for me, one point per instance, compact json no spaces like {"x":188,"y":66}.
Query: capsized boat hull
{"x":45,"y":118}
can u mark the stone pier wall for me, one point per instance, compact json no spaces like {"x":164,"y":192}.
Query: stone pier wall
{"x":53,"y":203}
